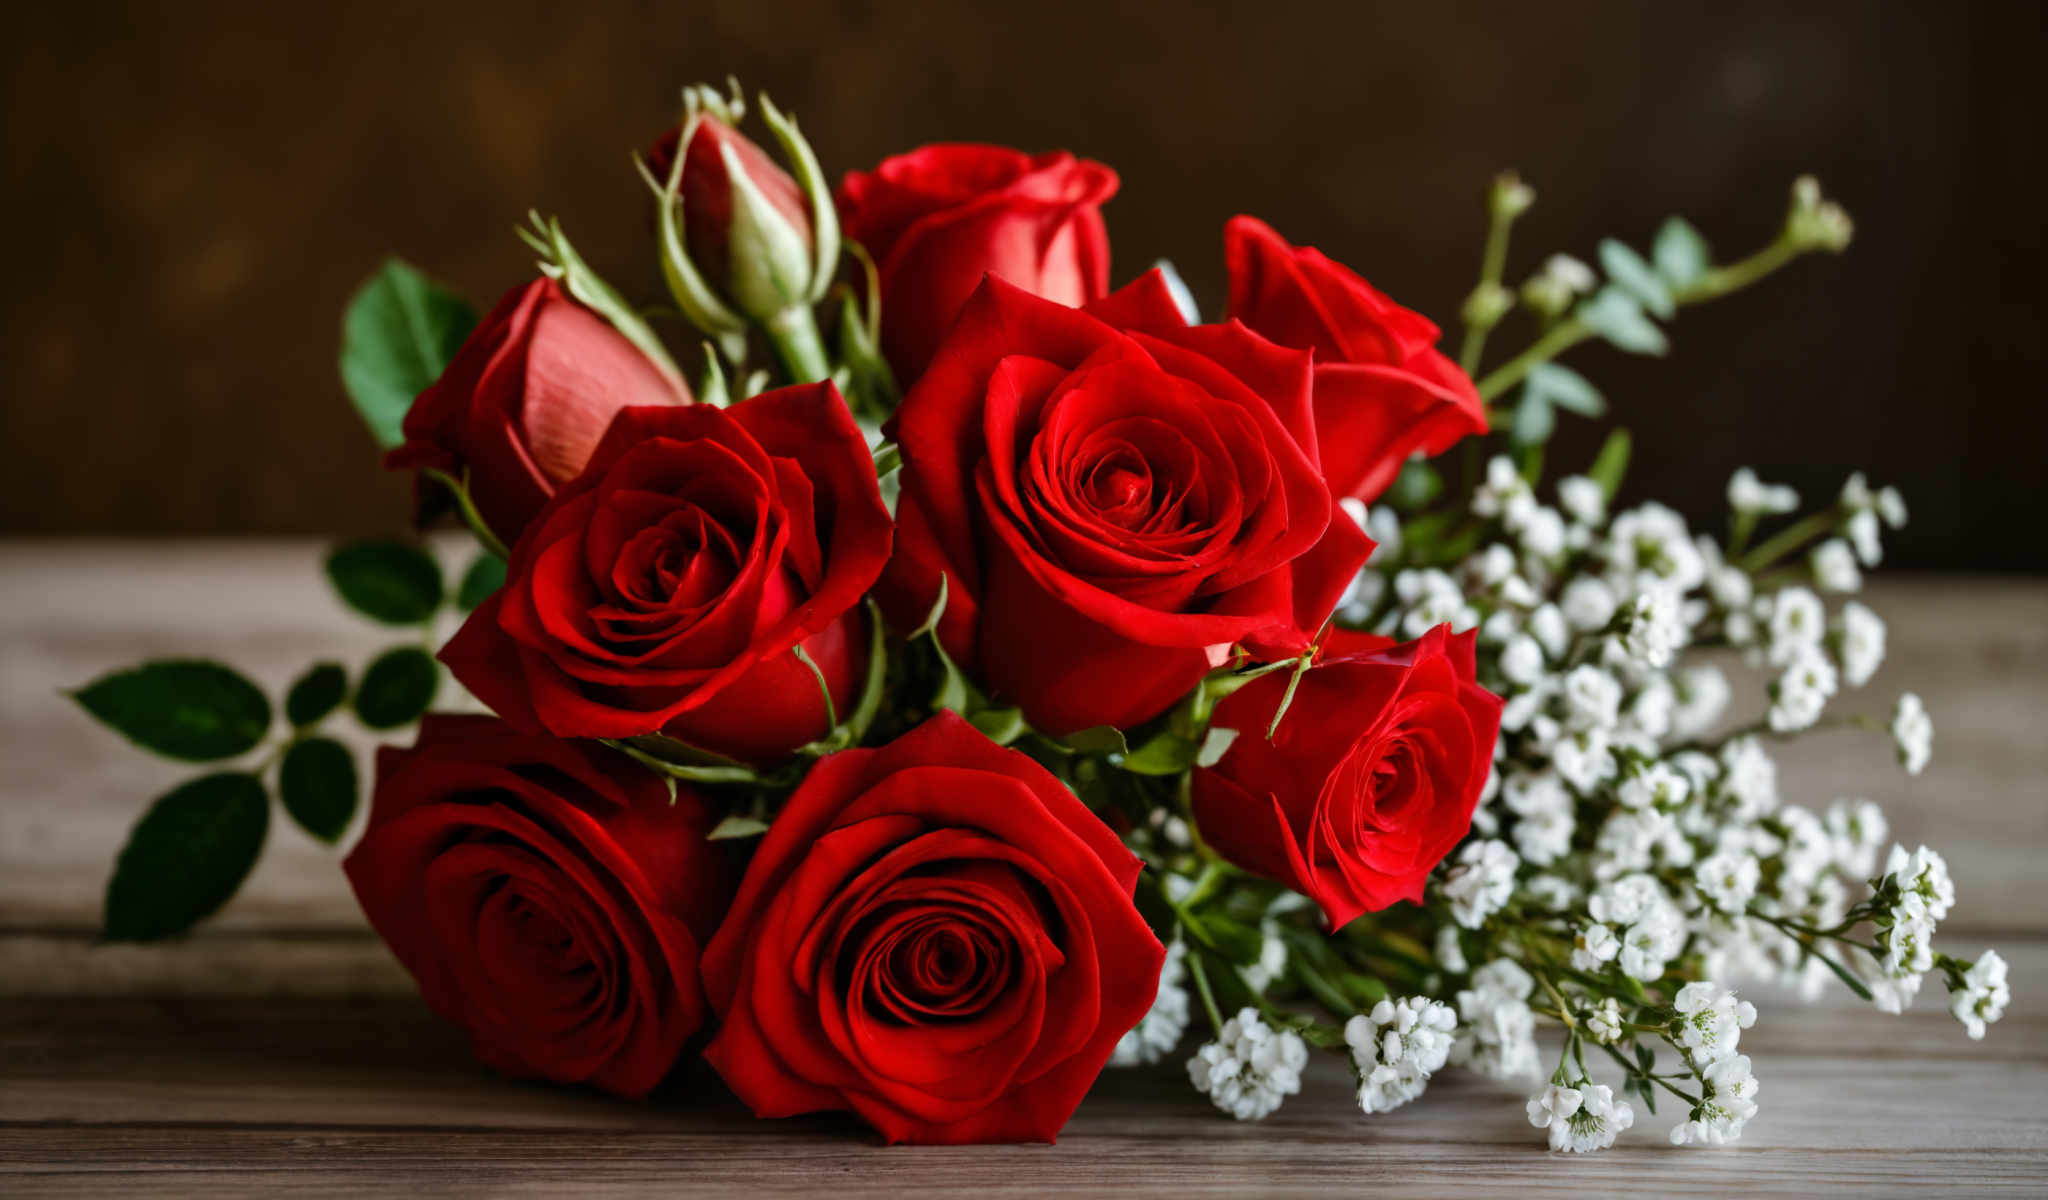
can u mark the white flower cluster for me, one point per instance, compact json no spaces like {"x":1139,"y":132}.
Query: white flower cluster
{"x":1250,"y":1067}
{"x":1710,"y":1020}
{"x":1982,"y":998}
{"x":1921,"y":895}
{"x":1496,"y":1029}
{"x":1396,"y":1047}
{"x":1481,"y":882}
{"x":1159,"y":1031}
{"x":1580,"y":1119}
{"x":1727,"y":1102}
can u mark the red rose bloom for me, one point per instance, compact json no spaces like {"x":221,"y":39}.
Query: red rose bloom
{"x":667,"y":587}
{"x":525,"y":401}
{"x":939,"y":218}
{"x":549,"y":897}
{"x":1383,"y":391}
{"x":1116,"y":499}
{"x":937,"y":935}
{"x":1370,"y":780}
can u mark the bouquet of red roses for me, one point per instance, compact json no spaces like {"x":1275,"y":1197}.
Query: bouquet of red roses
{"x":962,"y":676}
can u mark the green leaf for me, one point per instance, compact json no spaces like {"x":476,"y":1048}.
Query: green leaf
{"x":999,"y":725}
{"x":1238,"y":942}
{"x":396,"y":688}
{"x":317,"y":782}
{"x":189,"y":709}
{"x":1616,"y":316}
{"x":737,"y":826}
{"x":1225,"y":983}
{"x":1611,"y":464}
{"x":1680,"y":253}
{"x":1096,"y":739}
{"x":1535,"y":420}
{"x":392,"y":582}
{"x":186,"y":856}
{"x":1627,"y":268}
{"x":1416,"y":485}
{"x":485,"y":575}
{"x":1567,"y":389}
{"x":316,"y":693}
{"x":399,"y":333}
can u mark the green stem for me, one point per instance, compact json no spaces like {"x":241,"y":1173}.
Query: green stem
{"x":1632,"y":1069}
{"x":1713,"y":285}
{"x":1492,"y":263}
{"x":1202,"y":986}
{"x":794,"y":334}
{"x":1790,"y":538}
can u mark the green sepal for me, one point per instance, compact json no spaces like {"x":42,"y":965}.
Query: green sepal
{"x":560,"y":262}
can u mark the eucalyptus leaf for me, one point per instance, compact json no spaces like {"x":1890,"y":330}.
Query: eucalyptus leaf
{"x":1627,"y":269}
{"x":1535,"y":419}
{"x":1566,"y":389}
{"x":186,"y":856}
{"x":392,"y":582}
{"x":1681,"y":254}
{"x":317,"y":782}
{"x":189,"y":709}
{"x":398,"y":334}
{"x":316,"y":693}
{"x":1618,"y":317}
{"x":396,"y":688}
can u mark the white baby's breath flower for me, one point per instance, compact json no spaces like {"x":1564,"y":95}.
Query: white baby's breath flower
{"x":1656,"y":626}
{"x":1573,"y":274}
{"x":1450,"y":952}
{"x":1582,"y":499}
{"x":1396,"y":1047}
{"x":1658,"y":785}
{"x":1541,"y":533}
{"x":1587,"y":603}
{"x":1584,"y":759}
{"x":1834,"y":567}
{"x":1750,"y":495}
{"x":1505,"y":494}
{"x":1912,"y":733}
{"x":1604,"y":1022}
{"x":1481,"y":882}
{"x":1750,"y":778}
{"x":1594,"y":947}
{"x":1159,"y":1031}
{"x":1521,"y":660}
{"x":1984,"y":994}
{"x":1857,"y":830}
{"x":1600,"y":1119}
{"x":1627,"y":839}
{"x":1651,"y":543}
{"x":1923,"y":873}
{"x":1703,"y":695}
{"x":1728,"y":1102}
{"x":1858,"y":639}
{"x":1710,"y":1020}
{"x":1802,"y":691}
{"x":1794,"y":620}
{"x":1551,"y":1108}
{"x":1728,"y":881}
{"x":1250,"y":1067}
{"x":1592,"y":698}
{"x":1547,"y":625}
{"x":1543,"y":838}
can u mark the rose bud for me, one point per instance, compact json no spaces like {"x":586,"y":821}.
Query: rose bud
{"x":1383,"y":391}
{"x":670,"y":586}
{"x":741,"y":241}
{"x":939,"y":218}
{"x":1370,"y":779}
{"x":525,"y":400}
{"x":549,"y":897}
{"x":937,"y":935}
{"x":1115,"y":499}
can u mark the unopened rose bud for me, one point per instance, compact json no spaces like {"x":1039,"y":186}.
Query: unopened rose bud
{"x":743,"y":241}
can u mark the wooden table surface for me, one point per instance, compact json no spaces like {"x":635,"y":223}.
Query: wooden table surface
{"x":281,"y":1047}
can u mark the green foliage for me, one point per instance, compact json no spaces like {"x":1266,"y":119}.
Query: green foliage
{"x":399,"y":333}
{"x":186,"y":857}
{"x":317,"y":782}
{"x":315,"y":694}
{"x":1611,"y":464}
{"x":393,"y":582}
{"x":396,"y":688}
{"x":188,"y":709}
{"x":485,"y":576}
{"x":1618,"y":317}
{"x":1636,"y":277}
{"x":1681,"y":254}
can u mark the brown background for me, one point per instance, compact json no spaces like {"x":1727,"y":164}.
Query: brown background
{"x":193,"y":190}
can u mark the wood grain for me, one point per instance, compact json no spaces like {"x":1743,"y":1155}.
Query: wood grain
{"x":281,"y":1047}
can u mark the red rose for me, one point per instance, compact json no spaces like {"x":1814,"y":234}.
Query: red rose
{"x":939,"y":218}
{"x":1370,"y":780}
{"x":667,"y":587}
{"x":549,"y":897}
{"x":1383,"y":391}
{"x":1116,"y":499}
{"x":707,"y":192}
{"x":525,"y":400}
{"x":937,"y":935}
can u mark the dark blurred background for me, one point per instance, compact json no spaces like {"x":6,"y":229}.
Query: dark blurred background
{"x":194,"y":189}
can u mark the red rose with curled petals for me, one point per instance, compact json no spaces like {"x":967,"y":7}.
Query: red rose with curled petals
{"x":940,"y":217}
{"x":550,"y":897}
{"x":524,"y":402}
{"x":937,"y":935}
{"x":668,"y":587}
{"x":1370,"y":779}
{"x":1383,"y":391}
{"x":1115,"y":499}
